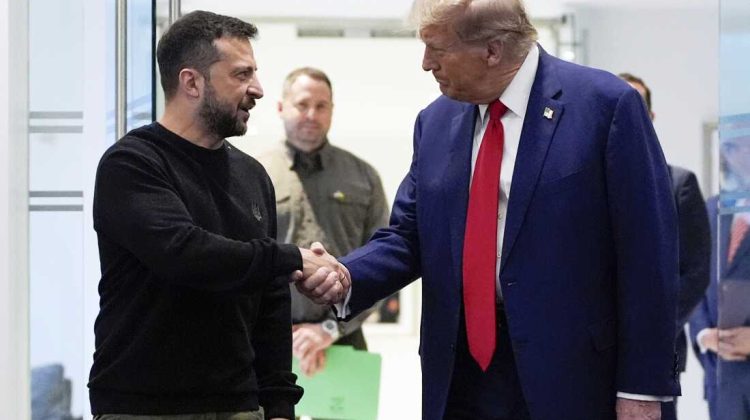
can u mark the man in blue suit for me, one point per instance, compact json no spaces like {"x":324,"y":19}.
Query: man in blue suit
{"x":538,"y":212}
{"x":724,"y":352}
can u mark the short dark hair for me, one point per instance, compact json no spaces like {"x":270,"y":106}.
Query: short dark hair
{"x":189,"y":43}
{"x":637,"y":80}
{"x":311,"y":72}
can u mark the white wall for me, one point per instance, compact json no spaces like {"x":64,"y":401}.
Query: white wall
{"x":675,"y":51}
{"x":14,"y":385}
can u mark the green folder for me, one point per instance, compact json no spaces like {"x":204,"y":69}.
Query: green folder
{"x":346,"y":389}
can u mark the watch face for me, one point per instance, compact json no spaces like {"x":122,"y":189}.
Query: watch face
{"x":330,"y":327}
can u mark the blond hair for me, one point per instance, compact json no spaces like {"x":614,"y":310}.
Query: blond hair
{"x":478,"y":21}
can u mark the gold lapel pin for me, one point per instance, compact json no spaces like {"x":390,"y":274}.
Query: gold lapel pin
{"x":548,"y":113}
{"x":339,"y":196}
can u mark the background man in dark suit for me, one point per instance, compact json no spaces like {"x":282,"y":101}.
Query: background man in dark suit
{"x":538,"y":211}
{"x":724,"y":352}
{"x":695,"y":237}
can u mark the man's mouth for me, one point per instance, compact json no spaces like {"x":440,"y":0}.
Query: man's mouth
{"x":247,"y":106}
{"x":310,"y":127}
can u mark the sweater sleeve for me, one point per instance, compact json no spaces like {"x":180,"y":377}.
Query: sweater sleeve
{"x":272,"y":342}
{"x":137,"y":207}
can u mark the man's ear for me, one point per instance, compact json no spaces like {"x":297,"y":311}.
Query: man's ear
{"x":280,"y":106}
{"x":494,"y":53}
{"x":192,"y":83}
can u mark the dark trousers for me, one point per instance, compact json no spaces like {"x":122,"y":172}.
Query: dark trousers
{"x":669,"y":410}
{"x":732,"y":400}
{"x":491,"y":395}
{"x":495,"y":394}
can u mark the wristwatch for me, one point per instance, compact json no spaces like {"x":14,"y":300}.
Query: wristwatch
{"x":331,"y":328}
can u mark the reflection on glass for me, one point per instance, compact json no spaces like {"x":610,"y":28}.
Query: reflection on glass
{"x":728,"y":350}
{"x":721,"y":324}
{"x":56,"y":148}
{"x":67,"y":120}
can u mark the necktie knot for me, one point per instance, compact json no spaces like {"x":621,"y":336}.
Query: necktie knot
{"x":497,"y":110}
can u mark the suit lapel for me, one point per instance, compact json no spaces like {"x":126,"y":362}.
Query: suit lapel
{"x":536,"y":137}
{"x":457,"y":176}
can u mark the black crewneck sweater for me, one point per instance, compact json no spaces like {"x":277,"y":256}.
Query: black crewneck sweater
{"x":194,"y":303}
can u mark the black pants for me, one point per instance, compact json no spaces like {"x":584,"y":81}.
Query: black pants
{"x":491,"y":395}
{"x":495,"y":394}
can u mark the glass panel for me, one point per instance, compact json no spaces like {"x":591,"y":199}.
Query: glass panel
{"x":140,"y":63}
{"x":71,"y":123}
{"x":728,"y":399}
{"x":56,"y":148}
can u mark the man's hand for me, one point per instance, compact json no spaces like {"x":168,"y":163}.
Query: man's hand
{"x":308,"y":339}
{"x":315,"y":258}
{"x":322,"y":278}
{"x":734,"y":344}
{"x":637,"y":410}
{"x":710,"y":340}
{"x":313,"y":363}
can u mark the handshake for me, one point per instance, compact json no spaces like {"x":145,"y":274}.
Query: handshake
{"x":322,"y":279}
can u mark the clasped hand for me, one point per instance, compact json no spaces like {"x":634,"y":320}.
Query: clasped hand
{"x":322,"y":279}
{"x":732,"y":345}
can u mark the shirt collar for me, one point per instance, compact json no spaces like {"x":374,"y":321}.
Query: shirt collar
{"x":310,"y":162}
{"x":516,"y":95}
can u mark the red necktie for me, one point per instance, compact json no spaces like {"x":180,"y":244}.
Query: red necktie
{"x":738,"y":233}
{"x":480,"y":242}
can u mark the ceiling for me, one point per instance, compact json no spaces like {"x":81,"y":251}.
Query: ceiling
{"x":398,"y":9}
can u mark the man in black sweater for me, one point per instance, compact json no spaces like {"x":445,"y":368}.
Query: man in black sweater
{"x":194,"y":313}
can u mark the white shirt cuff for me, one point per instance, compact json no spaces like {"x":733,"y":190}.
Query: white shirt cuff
{"x":699,"y":339}
{"x":639,"y":397}
{"x":342,"y":308}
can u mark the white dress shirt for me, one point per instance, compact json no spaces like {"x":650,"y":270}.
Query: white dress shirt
{"x":516,"y":99}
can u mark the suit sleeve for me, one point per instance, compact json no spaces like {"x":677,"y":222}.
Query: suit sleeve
{"x":137,"y":206}
{"x":644,"y":228}
{"x":695,"y":247}
{"x":391,"y":259}
{"x":700,"y":320}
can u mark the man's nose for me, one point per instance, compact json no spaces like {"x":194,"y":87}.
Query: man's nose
{"x":255,"y":90}
{"x":427,"y":62}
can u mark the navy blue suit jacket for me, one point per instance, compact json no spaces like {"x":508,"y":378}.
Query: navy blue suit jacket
{"x":589,"y":259}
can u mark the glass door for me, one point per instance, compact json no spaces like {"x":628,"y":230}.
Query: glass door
{"x":727,"y":367}
{"x":73,"y":62}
